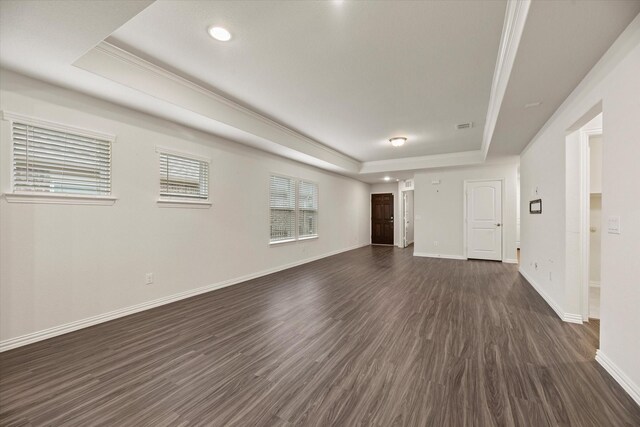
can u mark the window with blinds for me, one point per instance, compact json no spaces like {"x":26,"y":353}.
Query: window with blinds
{"x":282,"y":202}
{"x":183,"y":178}
{"x":307,"y":209}
{"x":294,"y":209}
{"x":47,"y":160}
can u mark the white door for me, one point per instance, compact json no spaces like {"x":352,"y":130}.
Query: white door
{"x":484,"y":220}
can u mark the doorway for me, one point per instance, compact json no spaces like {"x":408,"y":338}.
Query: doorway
{"x":584,"y":200}
{"x":407,"y":216}
{"x":484,"y":219}
{"x":382,"y":219}
{"x":594,"y":148}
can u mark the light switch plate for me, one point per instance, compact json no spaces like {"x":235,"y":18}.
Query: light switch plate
{"x":613,"y":225}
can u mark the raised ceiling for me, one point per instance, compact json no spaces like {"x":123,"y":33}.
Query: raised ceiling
{"x":326,"y":83}
{"x":350,"y":75}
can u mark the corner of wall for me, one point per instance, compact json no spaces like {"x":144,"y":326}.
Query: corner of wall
{"x":618,"y":374}
{"x":555,"y":306}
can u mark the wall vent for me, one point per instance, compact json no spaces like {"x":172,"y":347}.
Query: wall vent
{"x":464,"y":126}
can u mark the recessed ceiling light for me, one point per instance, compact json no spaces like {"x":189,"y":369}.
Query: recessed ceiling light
{"x":387,"y":178}
{"x":398,"y":141}
{"x":220,"y":34}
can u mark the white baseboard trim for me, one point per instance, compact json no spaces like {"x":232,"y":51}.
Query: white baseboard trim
{"x":625,"y":382}
{"x":573,"y":318}
{"x":426,"y":255}
{"x":543,"y":294}
{"x":594,"y":284}
{"x":566,"y":317}
{"x":510,"y":261}
{"x":105,"y":317}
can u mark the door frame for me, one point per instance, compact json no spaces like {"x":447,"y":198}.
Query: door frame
{"x":403,"y":218}
{"x":465,"y":212}
{"x":371,"y":222}
{"x":585,"y":216}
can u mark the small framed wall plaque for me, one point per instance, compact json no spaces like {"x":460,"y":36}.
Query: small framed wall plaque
{"x":535,"y":206}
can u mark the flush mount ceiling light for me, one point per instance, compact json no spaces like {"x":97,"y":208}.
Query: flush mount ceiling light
{"x":220,"y":34}
{"x":398,"y":141}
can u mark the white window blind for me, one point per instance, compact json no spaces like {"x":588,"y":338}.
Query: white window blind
{"x":183,"y":178}
{"x":53,"y":161}
{"x":294,"y":209}
{"x":282,"y":201}
{"x":307,"y":209}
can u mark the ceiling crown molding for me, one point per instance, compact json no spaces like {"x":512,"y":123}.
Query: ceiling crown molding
{"x":514,"y":21}
{"x":123,"y":67}
{"x":423,"y":162}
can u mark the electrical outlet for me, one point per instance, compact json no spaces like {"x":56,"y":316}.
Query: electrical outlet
{"x":435,"y":243}
{"x":550,"y":278}
{"x":148,"y":279}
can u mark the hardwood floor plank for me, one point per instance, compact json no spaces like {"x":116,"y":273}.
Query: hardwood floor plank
{"x":373,"y":336}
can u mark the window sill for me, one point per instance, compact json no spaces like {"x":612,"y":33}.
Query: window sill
{"x":59,"y":199}
{"x":281,"y":242}
{"x":308,"y":237}
{"x":175,"y":203}
{"x":300,"y":239}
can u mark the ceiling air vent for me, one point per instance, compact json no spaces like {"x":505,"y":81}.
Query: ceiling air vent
{"x":464,"y":126}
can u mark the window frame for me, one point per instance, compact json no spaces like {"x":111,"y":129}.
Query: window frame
{"x":16,"y":196}
{"x":296,"y":237}
{"x":177,"y":202}
{"x":317,"y":210}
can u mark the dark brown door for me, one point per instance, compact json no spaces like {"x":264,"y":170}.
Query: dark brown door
{"x":382,"y":219}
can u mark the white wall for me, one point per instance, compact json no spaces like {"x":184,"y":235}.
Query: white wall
{"x":389,"y":187}
{"x":64,"y":263}
{"x":613,"y":84}
{"x":439,"y":209}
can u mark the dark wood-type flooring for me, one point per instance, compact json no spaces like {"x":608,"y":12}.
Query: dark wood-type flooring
{"x":373,"y":336}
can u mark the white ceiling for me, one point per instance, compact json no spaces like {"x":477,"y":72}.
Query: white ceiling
{"x":561,"y":42}
{"x":342,"y":77}
{"x":350,"y":75}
